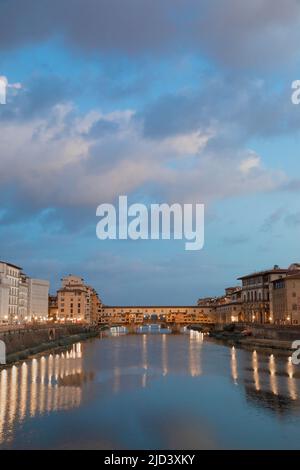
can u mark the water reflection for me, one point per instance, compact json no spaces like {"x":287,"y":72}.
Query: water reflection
{"x":196,"y":341}
{"x":270,"y":381}
{"x":39,"y":386}
{"x":124,"y":371}
{"x":234,"y":369}
{"x":255,"y":370}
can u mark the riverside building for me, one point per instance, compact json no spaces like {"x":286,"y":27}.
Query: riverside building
{"x":257,"y":292}
{"x":22,"y":299}
{"x":77,"y":301}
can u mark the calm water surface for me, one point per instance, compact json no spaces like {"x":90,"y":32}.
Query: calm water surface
{"x":151,"y":391}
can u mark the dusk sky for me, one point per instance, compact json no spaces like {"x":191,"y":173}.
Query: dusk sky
{"x":183,"y":101}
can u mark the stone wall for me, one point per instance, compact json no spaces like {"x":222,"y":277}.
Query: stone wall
{"x":24,"y":342}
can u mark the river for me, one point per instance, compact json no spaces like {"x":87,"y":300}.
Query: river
{"x":151,"y":391}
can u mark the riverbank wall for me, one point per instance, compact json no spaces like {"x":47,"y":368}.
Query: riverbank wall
{"x":23,"y":343}
{"x":258,"y":336}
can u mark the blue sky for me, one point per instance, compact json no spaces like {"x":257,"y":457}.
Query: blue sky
{"x":162,"y":101}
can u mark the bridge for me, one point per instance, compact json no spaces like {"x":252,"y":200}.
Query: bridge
{"x":142,"y":315}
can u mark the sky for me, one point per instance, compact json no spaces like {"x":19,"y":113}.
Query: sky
{"x":163,"y":101}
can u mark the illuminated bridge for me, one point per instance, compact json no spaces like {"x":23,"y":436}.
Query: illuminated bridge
{"x":138,"y":315}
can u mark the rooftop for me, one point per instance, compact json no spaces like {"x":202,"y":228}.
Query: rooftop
{"x":11,"y":265}
{"x":267,"y":271}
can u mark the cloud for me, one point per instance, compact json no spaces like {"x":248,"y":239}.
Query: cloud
{"x":273,"y":219}
{"x":293,"y":220}
{"x":236,"y":240}
{"x":241,"y":109}
{"x":262,"y":33}
{"x":250,"y":163}
{"x":36,"y":97}
{"x":47,"y":161}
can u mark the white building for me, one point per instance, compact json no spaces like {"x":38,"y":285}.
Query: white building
{"x":38,"y":294}
{"x":23,"y":314}
{"x":9,"y":296}
{"x":4,"y":298}
{"x":21,"y":299}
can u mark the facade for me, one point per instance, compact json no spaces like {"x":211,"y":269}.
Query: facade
{"x":257,"y":293}
{"x":228,"y":308}
{"x":4,"y":298}
{"x":96,"y":306}
{"x":141,"y":314}
{"x":22,"y":299}
{"x":286,"y":300}
{"x":9,"y":287}
{"x":53,"y":308}
{"x":77,"y":302}
{"x":23,"y":312}
{"x":38,"y":294}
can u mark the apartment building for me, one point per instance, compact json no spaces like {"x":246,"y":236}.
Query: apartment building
{"x":23,"y":311}
{"x":77,"y":302}
{"x":229,"y":308}
{"x":257,"y":292}
{"x":96,"y":306}
{"x":22,"y":299}
{"x":9,"y":292}
{"x":38,"y":294}
{"x":286,"y":300}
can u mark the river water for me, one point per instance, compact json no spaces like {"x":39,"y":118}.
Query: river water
{"x":151,"y":391}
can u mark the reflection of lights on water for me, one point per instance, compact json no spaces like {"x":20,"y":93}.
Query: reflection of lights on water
{"x":13,"y":393}
{"x":255,"y":370}
{"x":34,"y":370}
{"x":234,"y":371}
{"x":290,"y":369}
{"x":118,"y":330}
{"x":196,"y":335}
{"x":273,"y":379}
{"x":144,"y":351}
{"x":42,"y":383}
{"x":78,"y":350}
{"x":291,"y":381}
{"x":3,"y":401}
{"x":23,"y":398}
{"x":196,"y":340}
{"x":116,"y":384}
{"x":30,"y":389}
{"x":164,"y":355}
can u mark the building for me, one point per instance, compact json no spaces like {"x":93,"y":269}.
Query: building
{"x":4,"y":298}
{"x":53,"y":308}
{"x":23,"y":303}
{"x":96,"y":307}
{"x":286,"y":300}
{"x":21,"y":298}
{"x":77,"y":302}
{"x":142,"y":314}
{"x":257,"y":291}
{"x":229,"y":308}
{"x":9,"y":292}
{"x":38,"y":294}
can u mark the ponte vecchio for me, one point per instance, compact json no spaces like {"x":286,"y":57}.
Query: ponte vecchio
{"x":182,"y":315}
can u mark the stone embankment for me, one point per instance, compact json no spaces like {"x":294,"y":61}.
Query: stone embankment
{"x":258,"y":336}
{"x":24,"y":342}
